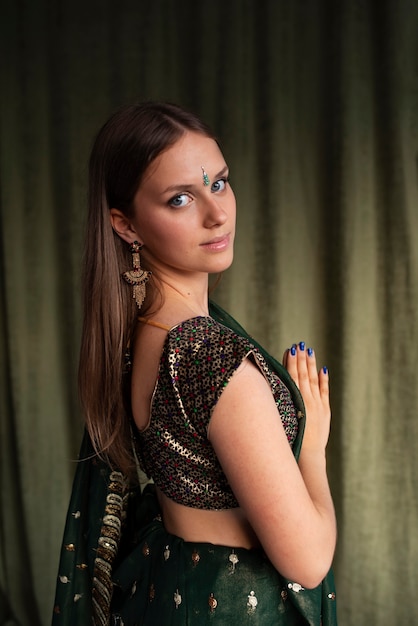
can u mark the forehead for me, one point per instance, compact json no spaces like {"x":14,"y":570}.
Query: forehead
{"x":182,"y":162}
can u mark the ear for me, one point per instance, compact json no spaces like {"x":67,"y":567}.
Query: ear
{"x":123,"y":226}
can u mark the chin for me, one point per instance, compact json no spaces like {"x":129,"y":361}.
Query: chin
{"x":221,"y":266}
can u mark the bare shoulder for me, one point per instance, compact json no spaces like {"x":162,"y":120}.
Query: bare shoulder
{"x":147,"y":349}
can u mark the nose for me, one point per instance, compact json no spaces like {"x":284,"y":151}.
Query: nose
{"x":215,"y":213}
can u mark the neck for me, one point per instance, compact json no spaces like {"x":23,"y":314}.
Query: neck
{"x":192,"y":296}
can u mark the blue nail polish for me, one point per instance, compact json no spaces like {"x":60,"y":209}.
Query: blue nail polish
{"x":293,"y":350}
{"x":310,"y":352}
{"x":302,"y":345}
{"x":325,"y":369}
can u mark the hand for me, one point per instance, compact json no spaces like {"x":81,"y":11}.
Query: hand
{"x":314,"y":387}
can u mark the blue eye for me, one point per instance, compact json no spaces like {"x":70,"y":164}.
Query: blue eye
{"x":179,"y":201}
{"x":219,"y":185}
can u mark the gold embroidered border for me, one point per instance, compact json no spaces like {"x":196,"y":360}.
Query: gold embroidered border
{"x":107,"y":548}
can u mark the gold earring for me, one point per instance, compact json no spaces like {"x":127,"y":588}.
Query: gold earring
{"x":137,"y":277}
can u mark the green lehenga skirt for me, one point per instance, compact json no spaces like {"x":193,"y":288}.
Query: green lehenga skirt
{"x":158,"y":579}
{"x":167,"y":581}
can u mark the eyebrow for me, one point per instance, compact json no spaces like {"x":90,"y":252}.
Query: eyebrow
{"x":185,"y":186}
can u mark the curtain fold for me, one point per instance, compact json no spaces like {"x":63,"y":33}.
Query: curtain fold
{"x":316,"y":106}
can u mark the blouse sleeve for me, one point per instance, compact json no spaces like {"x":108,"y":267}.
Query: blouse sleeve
{"x":202,"y":367}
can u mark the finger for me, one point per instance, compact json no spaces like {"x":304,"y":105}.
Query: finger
{"x":301,"y":358}
{"x":323,"y":381}
{"x":284,"y":359}
{"x":312,"y":369}
{"x":291,"y":363}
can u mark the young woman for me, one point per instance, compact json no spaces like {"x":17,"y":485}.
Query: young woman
{"x":238,"y":524}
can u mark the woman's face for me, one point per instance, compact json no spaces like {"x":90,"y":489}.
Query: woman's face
{"x":186,"y":226}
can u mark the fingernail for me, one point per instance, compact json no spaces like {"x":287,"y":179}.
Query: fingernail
{"x":325,"y":369}
{"x":302,"y":345}
{"x":293,"y":350}
{"x":310,"y":352}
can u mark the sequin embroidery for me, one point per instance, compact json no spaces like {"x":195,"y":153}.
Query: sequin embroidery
{"x":198,"y":360}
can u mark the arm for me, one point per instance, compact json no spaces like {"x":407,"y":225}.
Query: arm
{"x":288,"y":505}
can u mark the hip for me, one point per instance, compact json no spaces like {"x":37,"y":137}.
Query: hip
{"x":166,"y":580}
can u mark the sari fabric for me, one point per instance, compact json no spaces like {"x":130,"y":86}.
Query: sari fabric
{"x":119,"y":566}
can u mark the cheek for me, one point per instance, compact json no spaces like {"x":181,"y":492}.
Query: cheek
{"x":166,"y":241}
{"x":232,"y":208}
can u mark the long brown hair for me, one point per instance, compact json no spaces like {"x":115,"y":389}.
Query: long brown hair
{"x":123,"y":150}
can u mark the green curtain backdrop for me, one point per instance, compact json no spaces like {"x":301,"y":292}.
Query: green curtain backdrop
{"x":316,"y":105}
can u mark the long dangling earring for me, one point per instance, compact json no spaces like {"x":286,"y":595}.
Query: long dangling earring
{"x":137,"y":277}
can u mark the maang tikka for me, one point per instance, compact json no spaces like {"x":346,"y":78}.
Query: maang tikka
{"x":137,"y":277}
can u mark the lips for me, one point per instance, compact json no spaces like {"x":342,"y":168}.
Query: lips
{"x":215,"y":240}
{"x":218,"y":243}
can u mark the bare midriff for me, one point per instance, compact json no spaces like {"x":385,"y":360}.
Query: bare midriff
{"x":227,"y":527}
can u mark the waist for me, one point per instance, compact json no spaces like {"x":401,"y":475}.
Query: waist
{"x":228,"y":527}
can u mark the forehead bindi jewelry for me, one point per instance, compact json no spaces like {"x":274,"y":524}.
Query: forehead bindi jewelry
{"x":206,"y":180}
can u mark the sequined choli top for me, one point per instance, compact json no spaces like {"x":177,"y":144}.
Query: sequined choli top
{"x":199,"y":358}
